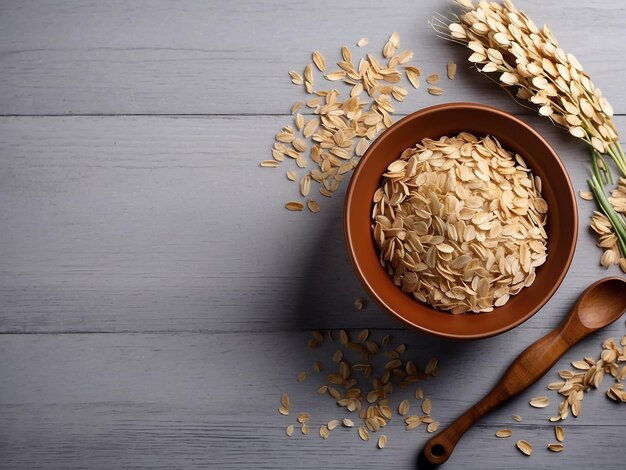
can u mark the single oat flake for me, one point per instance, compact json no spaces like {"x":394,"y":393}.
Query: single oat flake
{"x":313,"y":206}
{"x":451,"y":70}
{"x":524,"y":447}
{"x":294,"y":206}
{"x":559,"y":433}
{"x":539,"y":402}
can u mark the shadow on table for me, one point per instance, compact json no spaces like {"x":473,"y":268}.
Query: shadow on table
{"x":325,"y":299}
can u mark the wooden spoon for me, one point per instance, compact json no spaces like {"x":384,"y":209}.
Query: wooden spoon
{"x":598,"y":306}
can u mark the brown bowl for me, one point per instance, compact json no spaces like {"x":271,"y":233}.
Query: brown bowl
{"x":450,"y":119}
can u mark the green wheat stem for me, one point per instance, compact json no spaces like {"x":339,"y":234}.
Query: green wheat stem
{"x":608,"y":210}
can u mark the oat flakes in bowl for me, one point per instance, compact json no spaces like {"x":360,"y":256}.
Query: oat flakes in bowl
{"x":459,"y":223}
{"x":515,"y":136}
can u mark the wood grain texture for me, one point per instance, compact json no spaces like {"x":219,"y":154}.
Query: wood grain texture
{"x":161,"y":224}
{"x":222,"y":57}
{"x":200,"y":400}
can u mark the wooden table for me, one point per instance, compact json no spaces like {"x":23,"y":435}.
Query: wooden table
{"x":155,"y":297}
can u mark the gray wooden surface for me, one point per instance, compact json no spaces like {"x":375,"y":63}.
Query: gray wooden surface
{"x":155,"y":298}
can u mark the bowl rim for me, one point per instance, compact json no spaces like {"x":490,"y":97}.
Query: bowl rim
{"x":348,"y":235}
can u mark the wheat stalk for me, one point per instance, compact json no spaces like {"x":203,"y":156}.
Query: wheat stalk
{"x":532,"y":67}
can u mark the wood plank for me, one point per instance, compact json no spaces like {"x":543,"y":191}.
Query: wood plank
{"x":159,"y":224}
{"x":219,"y":57}
{"x":209,"y":400}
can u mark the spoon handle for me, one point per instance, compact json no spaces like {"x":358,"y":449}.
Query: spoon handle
{"x":530,"y":366}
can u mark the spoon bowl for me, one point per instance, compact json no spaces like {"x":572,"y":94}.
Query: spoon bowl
{"x":599,"y":307}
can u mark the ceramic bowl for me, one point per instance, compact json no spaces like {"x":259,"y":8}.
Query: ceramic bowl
{"x":514,"y":135}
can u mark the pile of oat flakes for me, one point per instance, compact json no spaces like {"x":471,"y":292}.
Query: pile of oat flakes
{"x":342,"y":127}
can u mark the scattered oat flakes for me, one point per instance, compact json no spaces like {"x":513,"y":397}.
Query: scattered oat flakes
{"x":302,"y":376}
{"x":289,"y":430}
{"x":296,"y":78}
{"x":343,"y":127}
{"x":337,"y":356}
{"x":284,"y":401}
{"x":348,"y":423}
{"x":431,"y":366}
{"x":344,"y":338}
{"x":412,"y":422}
{"x":296,"y":106}
{"x":555,"y":447}
{"x":559,"y":433}
{"x":332,"y":424}
{"x":413,"y":75}
{"x":294,"y":206}
{"x":524,"y":447}
{"x":432,"y":79}
{"x":313,"y":206}
{"x":393,"y":43}
{"x":589,"y":373}
{"x":359,"y":303}
{"x":375,"y":413}
{"x":451,"y":70}
{"x":426,"y":406}
{"x":504,"y":433}
{"x":436,"y":91}
{"x":586,"y":195}
{"x":432,"y":427}
{"x":303,"y":417}
{"x":362,"y":42}
{"x":539,"y":402}
{"x":305,"y":185}
{"x":308,"y":75}
{"x":269,"y":163}
{"x":517,"y":418}
{"x":318,"y":60}
{"x":335,"y":75}
{"x":301,"y":161}
{"x":382,"y":441}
